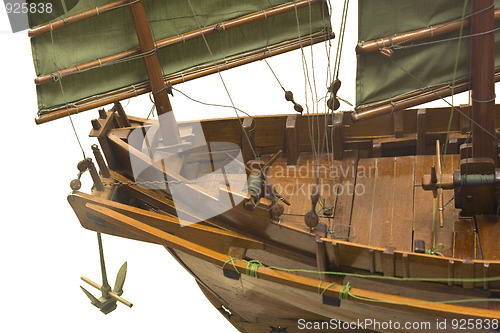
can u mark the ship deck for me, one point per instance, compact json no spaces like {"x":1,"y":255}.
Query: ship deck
{"x":380,"y":202}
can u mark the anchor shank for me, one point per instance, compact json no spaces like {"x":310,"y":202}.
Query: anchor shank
{"x":105,"y":285}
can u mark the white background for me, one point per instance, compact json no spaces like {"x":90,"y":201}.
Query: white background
{"x":43,"y":248}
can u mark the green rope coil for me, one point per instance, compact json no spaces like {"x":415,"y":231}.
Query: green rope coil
{"x":252,"y":267}
{"x":436,"y":250}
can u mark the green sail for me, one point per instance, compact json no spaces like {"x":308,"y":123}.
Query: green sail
{"x":424,"y":63}
{"x":113,"y":32}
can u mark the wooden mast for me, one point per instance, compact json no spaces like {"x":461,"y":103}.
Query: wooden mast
{"x":483,"y":78}
{"x":168,"y":125}
{"x":480,"y":159}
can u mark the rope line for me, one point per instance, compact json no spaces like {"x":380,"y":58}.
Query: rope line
{"x":400,"y":46}
{"x":425,"y":86}
{"x":224,"y":84}
{"x":63,"y":95}
{"x":450,"y":120}
{"x":345,"y":290}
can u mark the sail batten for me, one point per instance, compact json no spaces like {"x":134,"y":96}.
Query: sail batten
{"x":96,"y":101}
{"x":181,"y":38}
{"x":415,"y":99}
{"x":415,"y":66}
{"x":85,"y":42}
{"x":415,"y":35}
{"x":37,"y":31}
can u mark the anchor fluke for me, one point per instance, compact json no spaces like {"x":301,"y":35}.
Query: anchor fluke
{"x":120,"y":279}
{"x":107,"y":303}
{"x":93,"y":300}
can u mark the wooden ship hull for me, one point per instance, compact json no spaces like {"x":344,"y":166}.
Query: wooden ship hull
{"x":266,"y":270}
{"x":335,"y":219}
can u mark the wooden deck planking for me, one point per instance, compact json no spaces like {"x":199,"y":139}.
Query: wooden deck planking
{"x":444,"y":235}
{"x":362,"y":210}
{"x":489,"y":236}
{"x":345,"y":194}
{"x":383,"y":202}
{"x":402,"y":210}
{"x":464,"y":239}
{"x":425,"y":226}
{"x":392,"y":211}
{"x":423,"y":165}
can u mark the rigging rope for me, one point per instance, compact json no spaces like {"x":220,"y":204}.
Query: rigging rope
{"x":425,"y":86}
{"x":224,"y":84}
{"x":455,"y":68}
{"x":444,"y":25}
{"x":217,"y":105}
{"x":345,"y":291}
{"x":62,"y":92}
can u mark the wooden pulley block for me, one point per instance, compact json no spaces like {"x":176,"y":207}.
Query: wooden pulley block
{"x":296,"y":107}
{"x":75,"y":184}
{"x":333,"y":102}
{"x":335,"y":86}
{"x":311,"y":219}
{"x":277,"y":210}
{"x":250,"y":205}
{"x":83,"y":165}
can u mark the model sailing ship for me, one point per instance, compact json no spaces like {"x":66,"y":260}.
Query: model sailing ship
{"x":302,"y":218}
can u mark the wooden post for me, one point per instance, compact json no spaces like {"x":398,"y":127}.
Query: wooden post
{"x":452,"y":146}
{"x":468,"y":272}
{"x":421,"y":130}
{"x":397,"y":119}
{"x":95,"y":176}
{"x":486,"y":267}
{"x":321,"y":259}
{"x":247,"y":139}
{"x":371,"y":255}
{"x":338,"y":136}
{"x":336,"y":256}
{"x":377,"y":149}
{"x":168,"y":125}
{"x":465,"y":124}
{"x":292,"y":148}
{"x":101,"y":127}
{"x":406,"y":265}
{"x":123,"y":116}
{"x":451,"y":272}
{"x":100,"y":161}
{"x":389,"y":262}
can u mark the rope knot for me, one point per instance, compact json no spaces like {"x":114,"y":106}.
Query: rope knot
{"x":344,"y":291}
{"x":436,"y":250}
